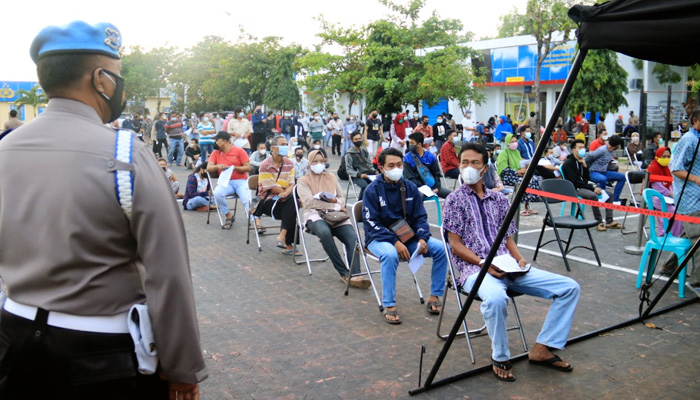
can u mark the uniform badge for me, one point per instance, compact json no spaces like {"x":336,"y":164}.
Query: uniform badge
{"x":113,"y":40}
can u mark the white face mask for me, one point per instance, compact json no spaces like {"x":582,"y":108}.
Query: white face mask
{"x":635,"y":139}
{"x":605,"y":138}
{"x":318,"y":168}
{"x":262,"y":152}
{"x":471,"y":175}
{"x":456,"y":140}
{"x":317,"y":146}
{"x":395,"y":174}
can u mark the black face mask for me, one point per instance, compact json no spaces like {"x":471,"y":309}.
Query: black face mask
{"x":258,"y":111}
{"x":412,"y":148}
{"x":300,"y":156}
{"x":357,"y":143}
{"x":425,"y":123}
{"x":115,"y":103}
{"x":374,"y":115}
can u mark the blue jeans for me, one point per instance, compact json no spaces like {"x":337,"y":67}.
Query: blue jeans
{"x":196,"y":202}
{"x":206,"y":150}
{"x":237,"y":186}
{"x":389,"y":258}
{"x":176,"y":146}
{"x":539,"y":283}
{"x":602,"y":179}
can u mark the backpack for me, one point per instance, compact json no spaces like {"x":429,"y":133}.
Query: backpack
{"x":342,"y":172}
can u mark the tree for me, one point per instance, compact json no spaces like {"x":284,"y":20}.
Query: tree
{"x":282,"y":91}
{"x":145,"y":73}
{"x":665,"y":74}
{"x":548,"y":22}
{"x":328,"y":75}
{"x":408,"y":62}
{"x":600,"y":86}
{"x":33,"y":97}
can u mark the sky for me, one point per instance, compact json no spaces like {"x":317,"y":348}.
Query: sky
{"x":155,"y":23}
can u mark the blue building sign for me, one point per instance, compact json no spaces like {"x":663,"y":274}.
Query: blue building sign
{"x":9,"y":90}
{"x":518,"y":64}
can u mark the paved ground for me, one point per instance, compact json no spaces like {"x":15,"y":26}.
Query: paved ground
{"x":271,"y":331}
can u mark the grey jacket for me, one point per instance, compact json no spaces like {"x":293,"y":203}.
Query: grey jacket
{"x":357,"y":162}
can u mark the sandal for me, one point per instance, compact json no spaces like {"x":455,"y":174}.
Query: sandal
{"x":524,"y":213}
{"x":393,"y":313}
{"x":281,"y":244}
{"x":506,"y":366}
{"x":291,"y":252}
{"x":229,"y":223}
{"x":436,"y":310}
{"x":549,"y":363}
{"x":261,"y":229}
{"x":532,"y":212}
{"x":614,"y":225}
{"x":601,"y":227}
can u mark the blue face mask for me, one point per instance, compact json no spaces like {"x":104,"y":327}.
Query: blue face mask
{"x":283,"y":150}
{"x":582,"y":153}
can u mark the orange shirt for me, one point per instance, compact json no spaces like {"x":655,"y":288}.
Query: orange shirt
{"x":236,"y":157}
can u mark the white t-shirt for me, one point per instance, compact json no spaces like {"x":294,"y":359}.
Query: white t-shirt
{"x":468,"y":123}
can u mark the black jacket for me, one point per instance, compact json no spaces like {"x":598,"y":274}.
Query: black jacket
{"x":576,"y":173}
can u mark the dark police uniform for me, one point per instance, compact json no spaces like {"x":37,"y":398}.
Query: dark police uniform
{"x":70,"y":258}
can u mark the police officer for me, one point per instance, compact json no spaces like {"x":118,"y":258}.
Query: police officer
{"x":72,"y":260}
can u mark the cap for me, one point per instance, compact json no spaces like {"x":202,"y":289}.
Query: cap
{"x":78,"y":37}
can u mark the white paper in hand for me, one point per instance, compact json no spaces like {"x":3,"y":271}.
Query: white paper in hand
{"x":371,"y":177}
{"x":416,"y":261}
{"x":426,"y":191}
{"x":603,"y":196}
{"x":507,"y":263}
{"x":224,"y":177}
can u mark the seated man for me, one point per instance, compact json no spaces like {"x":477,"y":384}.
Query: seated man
{"x":598,"y":162}
{"x":301,"y":164}
{"x":192,"y":154}
{"x":197,"y":190}
{"x":576,"y":171}
{"x":422,"y":166}
{"x":174,"y":183}
{"x":227,"y":156}
{"x":649,"y":153}
{"x":316,"y":145}
{"x":383,"y":206}
{"x":275,"y":187}
{"x":257,"y":158}
{"x":448,"y":155}
{"x":357,"y":163}
{"x":473,"y":217}
{"x":526,"y":147}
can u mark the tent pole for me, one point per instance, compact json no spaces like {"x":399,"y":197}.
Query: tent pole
{"x":514,"y":207}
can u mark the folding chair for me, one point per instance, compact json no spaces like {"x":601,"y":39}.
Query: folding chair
{"x":656,"y":244}
{"x":458,"y":290}
{"x":351,"y":184}
{"x":299,"y":231}
{"x":253,"y":186}
{"x":442,"y":175}
{"x":633,"y":178}
{"x":633,"y":164}
{"x":572,"y":222}
{"x":363,"y":252}
{"x":573,"y":205}
{"x":212,"y":186}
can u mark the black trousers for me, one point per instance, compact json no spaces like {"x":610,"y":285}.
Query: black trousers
{"x":158,"y":146}
{"x":45,"y":362}
{"x":258,"y":137}
{"x":284,"y":211}
{"x":335,"y":144}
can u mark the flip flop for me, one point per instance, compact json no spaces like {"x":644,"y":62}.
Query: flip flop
{"x":533,"y":212}
{"x":524,"y":213}
{"x":281,"y":244}
{"x":550,"y":364}
{"x":229,"y":223}
{"x":507,"y":366}
{"x":393,"y":314}
{"x":435,"y":304}
{"x":292,"y":253}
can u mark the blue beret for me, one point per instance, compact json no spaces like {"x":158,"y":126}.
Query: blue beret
{"x":78,"y":37}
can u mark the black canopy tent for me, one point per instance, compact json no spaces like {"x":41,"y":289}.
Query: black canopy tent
{"x":645,"y":29}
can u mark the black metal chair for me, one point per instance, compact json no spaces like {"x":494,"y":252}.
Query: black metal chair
{"x":573,"y":222}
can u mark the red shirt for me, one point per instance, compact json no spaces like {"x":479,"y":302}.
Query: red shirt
{"x":448,"y":157}
{"x":595,"y":144}
{"x":236,"y":157}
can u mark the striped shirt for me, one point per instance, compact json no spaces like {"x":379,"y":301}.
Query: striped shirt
{"x":477,"y":221}
{"x":206,"y":138}
{"x":269,"y":172}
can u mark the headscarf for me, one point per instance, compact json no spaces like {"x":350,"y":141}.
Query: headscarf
{"x":502,"y":128}
{"x":656,"y":169}
{"x":508,"y":158}
{"x":400,"y":127}
{"x":323,"y":182}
